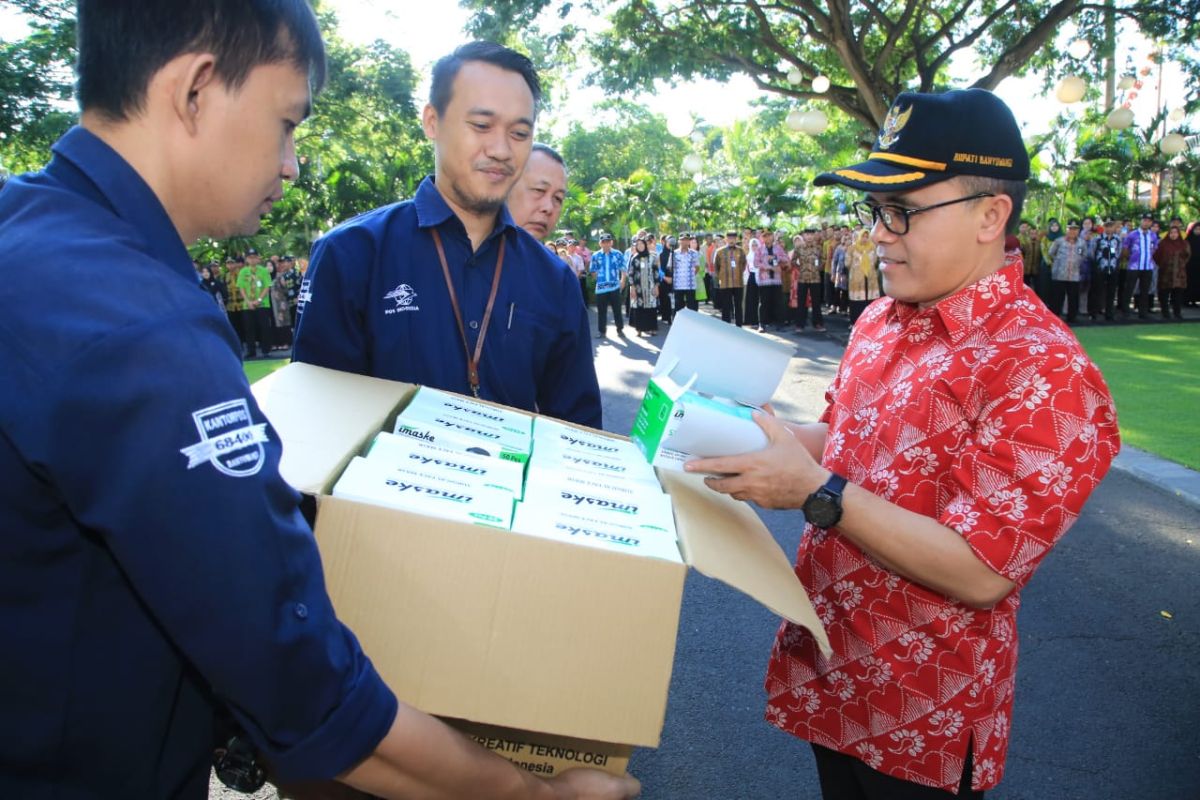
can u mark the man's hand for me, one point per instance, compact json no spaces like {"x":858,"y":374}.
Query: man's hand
{"x":592,"y":784}
{"x":782,"y":475}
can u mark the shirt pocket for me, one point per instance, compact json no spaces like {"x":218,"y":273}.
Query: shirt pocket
{"x":528,"y":337}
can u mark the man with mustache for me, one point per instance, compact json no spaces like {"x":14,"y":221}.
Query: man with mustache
{"x":446,"y":290}
{"x":963,"y":432}
{"x":536,"y":202}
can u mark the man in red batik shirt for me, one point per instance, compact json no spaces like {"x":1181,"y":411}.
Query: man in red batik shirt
{"x":964,"y":431}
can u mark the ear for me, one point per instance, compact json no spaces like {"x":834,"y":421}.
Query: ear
{"x":994,"y":218}
{"x":429,"y":121}
{"x":197,"y":80}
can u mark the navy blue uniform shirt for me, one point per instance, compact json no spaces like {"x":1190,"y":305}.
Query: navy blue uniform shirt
{"x":375,"y":302}
{"x":152,"y":561}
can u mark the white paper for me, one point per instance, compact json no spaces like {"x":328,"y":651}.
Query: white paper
{"x":726,"y":360}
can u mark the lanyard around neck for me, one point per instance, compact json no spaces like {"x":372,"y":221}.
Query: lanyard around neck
{"x":472,"y":361}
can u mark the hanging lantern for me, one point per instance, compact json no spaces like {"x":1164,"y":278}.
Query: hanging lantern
{"x":1137,"y":84}
{"x":680,"y":125}
{"x":1133,"y":95}
{"x":815,"y":122}
{"x":1144,"y":71}
{"x":1070,"y":89}
{"x":795,"y":119}
{"x":1119,"y":119}
{"x":1080,"y":48}
{"x":1126,"y":104}
{"x":820,"y":84}
{"x":1172,"y":144}
{"x":794,"y":77}
{"x":1176,"y":114}
{"x":692,"y":163}
{"x":1126,"y":82}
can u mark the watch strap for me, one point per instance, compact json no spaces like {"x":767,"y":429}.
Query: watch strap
{"x":835,"y":485}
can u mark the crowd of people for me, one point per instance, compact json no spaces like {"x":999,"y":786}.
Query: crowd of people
{"x":1105,"y":270}
{"x":1111,"y":269}
{"x":260,"y":297}
{"x":750,"y":276}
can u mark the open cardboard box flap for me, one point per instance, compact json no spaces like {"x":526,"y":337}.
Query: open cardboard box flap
{"x":724,"y":539}
{"x":324,"y":418}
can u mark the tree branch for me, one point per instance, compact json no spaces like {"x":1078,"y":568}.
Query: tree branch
{"x":1015,"y":57}
{"x":971,"y":37}
{"x":885,"y":52}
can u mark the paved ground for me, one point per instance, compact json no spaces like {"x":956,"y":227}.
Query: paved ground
{"x":1107,"y":702}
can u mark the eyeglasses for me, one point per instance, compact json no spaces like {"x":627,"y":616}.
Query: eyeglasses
{"x":895,"y":218}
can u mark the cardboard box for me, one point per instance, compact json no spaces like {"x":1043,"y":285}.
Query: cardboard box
{"x":432,"y":402}
{"x":495,"y":472}
{"x":462,"y":431}
{"x":707,"y":381}
{"x":552,"y":435}
{"x":600,"y":467}
{"x":645,"y":529}
{"x":425,"y":492}
{"x":504,"y":629}
{"x":545,"y":755}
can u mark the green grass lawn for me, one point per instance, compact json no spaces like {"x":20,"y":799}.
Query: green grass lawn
{"x":1153,"y":372}
{"x":257,"y":370}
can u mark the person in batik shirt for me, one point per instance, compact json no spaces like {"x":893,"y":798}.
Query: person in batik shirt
{"x":964,"y":431}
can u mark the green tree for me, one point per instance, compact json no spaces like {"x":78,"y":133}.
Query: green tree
{"x":36,"y":84}
{"x":363,"y":146}
{"x":870,"y":51}
{"x":630,"y":138}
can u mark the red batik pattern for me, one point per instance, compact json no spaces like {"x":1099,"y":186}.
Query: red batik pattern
{"x":984,"y":413}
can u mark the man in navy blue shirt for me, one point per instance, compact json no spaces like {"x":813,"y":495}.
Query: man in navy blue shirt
{"x":445,"y":290}
{"x":154,"y":567}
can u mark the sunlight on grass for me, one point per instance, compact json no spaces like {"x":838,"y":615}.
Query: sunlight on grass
{"x":257,"y":370}
{"x":1155,"y":382}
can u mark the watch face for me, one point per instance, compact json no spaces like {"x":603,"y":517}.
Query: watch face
{"x":822,"y":510}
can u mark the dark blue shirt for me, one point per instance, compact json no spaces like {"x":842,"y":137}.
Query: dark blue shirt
{"x":152,"y":561}
{"x":375,"y":302}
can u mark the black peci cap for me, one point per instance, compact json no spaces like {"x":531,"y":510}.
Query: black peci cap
{"x":927,"y":138}
{"x":606,"y":237}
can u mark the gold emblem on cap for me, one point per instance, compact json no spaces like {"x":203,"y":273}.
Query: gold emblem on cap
{"x":896,"y":119}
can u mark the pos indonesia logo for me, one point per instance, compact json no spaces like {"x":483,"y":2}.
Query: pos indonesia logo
{"x":228,"y":440}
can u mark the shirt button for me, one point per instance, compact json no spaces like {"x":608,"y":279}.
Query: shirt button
{"x":301,"y":611}
{"x":474,"y":325}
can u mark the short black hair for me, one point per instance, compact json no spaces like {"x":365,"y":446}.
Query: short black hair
{"x":1014,"y":189}
{"x":123,"y":43}
{"x":447,"y":67}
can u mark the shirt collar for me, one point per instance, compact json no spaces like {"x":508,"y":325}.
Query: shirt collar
{"x":433,"y":211}
{"x":971,"y":306}
{"x":126,"y":193}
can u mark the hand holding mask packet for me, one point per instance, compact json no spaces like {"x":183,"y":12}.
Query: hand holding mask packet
{"x":709,"y":379}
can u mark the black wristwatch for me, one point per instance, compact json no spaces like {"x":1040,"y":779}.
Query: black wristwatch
{"x":823,"y":508}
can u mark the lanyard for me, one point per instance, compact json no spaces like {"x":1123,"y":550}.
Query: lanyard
{"x":472,"y":361}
